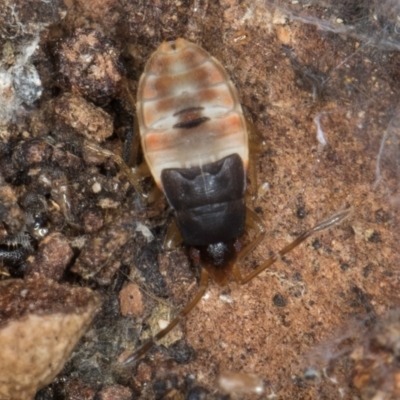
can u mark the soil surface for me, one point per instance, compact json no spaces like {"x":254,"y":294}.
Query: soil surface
{"x":320,"y":81}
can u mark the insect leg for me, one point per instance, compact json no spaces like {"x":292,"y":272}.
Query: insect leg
{"x":134,"y":177}
{"x":143,"y":171}
{"x":256,"y":146}
{"x":256,"y":142}
{"x":173,"y":237}
{"x":128,"y":163}
{"x":146,"y":346}
{"x":254,"y":222}
{"x":331,"y":221}
{"x":132,"y":140}
{"x":131,"y":152}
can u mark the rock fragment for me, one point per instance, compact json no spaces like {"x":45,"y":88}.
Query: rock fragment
{"x":52,"y":257}
{"x":115,"y":392}
{"x":75,"y":113}
{"x":40,"y":324}
{"x":131,"y":301}
{"x":89,"y":62}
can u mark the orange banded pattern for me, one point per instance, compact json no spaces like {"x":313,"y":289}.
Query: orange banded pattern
{"x":188,"y":110}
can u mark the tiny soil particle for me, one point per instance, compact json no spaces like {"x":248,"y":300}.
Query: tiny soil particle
{"x":181,"y":352}
{"x":368,"y":270}
{"x":316,"y":244}
{"x":344,"y":267}
{"x":75,"y":389}
{"x":301,"y":212}
{"x":115,"y":392}
{"x":279,"y":300}
{"x":198,"y":393}
{"x":375,"y":237}
{"x":297,"y":276}
{"x":131,"y":301}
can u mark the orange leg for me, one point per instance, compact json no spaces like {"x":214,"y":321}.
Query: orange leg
{"x":254,"y":222}
{"x":256,"y":146}
{"x":146,"y":346}
{"x":333,"y":220}
{"x":173,"y":237}
{"x":132,"y":138}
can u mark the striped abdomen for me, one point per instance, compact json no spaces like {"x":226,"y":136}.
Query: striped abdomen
{"x":188,"y":110}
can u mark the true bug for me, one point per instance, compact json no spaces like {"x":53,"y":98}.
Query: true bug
{"x":196,"y":143}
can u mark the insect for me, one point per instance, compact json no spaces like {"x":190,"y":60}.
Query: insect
{"x":196,"y":140}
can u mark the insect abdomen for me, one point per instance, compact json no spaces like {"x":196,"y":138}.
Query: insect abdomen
{"x":188,"y":110}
